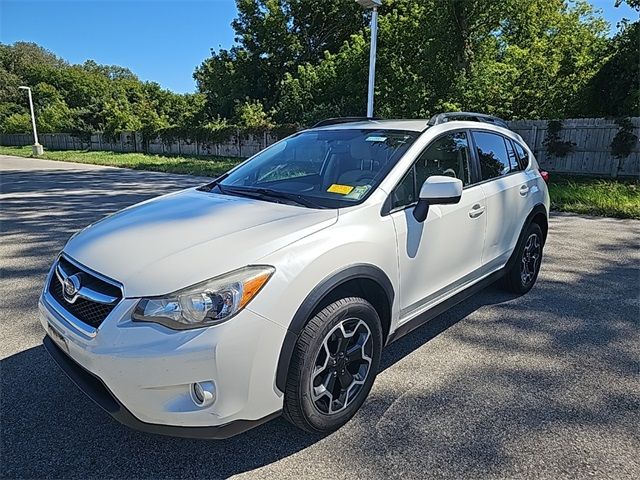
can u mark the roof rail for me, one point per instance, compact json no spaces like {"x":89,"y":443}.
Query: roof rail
{"x":339,"y":120}
{"x":468,"y":116}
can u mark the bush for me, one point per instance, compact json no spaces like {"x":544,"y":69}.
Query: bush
{"x":16,"y":123}
{"x":624,"y":141}
{"x":555,"y":145}
{"x":252,"y":115}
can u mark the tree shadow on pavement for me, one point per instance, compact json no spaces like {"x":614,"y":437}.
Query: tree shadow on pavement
{"x":543,"y":385}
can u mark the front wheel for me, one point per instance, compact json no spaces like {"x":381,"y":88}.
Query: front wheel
{"x":523,"y":274}
{"x":334,"y":364}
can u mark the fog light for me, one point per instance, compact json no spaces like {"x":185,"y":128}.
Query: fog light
{"x":203,"y":394}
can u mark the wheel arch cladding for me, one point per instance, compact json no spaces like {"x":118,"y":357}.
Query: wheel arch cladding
{"x":362,"y":280}
{"x":539,"y":215}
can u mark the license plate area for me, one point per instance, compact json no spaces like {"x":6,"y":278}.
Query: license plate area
{"x":57,"y":337}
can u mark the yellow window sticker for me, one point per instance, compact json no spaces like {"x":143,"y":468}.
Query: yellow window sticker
{"x":341,"y":189}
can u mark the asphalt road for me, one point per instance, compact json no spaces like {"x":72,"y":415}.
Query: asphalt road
{"x":540,"y":386}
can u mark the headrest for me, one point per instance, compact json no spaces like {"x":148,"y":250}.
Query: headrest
{"x":362,"y":150}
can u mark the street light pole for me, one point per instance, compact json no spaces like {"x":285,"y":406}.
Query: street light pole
{"x":372,"y":60}
{"x":37,"y":148}
{"x":373,"y":5}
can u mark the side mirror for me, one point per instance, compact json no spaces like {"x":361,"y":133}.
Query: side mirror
{"x":437,"y":190}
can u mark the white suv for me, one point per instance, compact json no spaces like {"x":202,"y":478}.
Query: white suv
{"x":274,"y":288}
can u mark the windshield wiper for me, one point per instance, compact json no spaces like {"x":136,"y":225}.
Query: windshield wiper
{"x":216,"y":182}
{"x":294,"y":197}
{"x":265,"y":193}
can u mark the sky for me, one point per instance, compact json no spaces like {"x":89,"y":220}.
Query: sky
{"x":159,"y":40}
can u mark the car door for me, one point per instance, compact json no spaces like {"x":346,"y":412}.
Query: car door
{"x":506,"y":189}
{"x":444,"y":252}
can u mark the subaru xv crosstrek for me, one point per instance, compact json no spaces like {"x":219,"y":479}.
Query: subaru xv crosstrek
{"x":273,"y":289}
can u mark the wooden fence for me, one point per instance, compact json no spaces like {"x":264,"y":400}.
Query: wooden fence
{"x":591,"y":154}
{"x":238,"y":145}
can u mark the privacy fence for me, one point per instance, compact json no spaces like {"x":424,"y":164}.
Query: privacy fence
{"x":236,"y":144}
{"x":585,"y":145}
{"x":588,"y":144}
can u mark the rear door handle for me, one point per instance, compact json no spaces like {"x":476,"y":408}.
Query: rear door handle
{"x":476,"y":210}
{"x":524,"y":190}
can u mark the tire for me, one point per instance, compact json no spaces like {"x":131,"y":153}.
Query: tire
{"x":314,"y":398}
{"x":522,"y":275}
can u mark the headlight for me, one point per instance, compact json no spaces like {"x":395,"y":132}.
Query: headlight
{"x":206,"y":303}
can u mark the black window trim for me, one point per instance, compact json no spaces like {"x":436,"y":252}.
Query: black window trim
{"x":474,"y":172}
{"x":477,"y":160}
{"x":510,"y":146}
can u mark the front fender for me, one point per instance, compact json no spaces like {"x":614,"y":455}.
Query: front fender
{"x":312,"y":267}
{"x":313,"y":299}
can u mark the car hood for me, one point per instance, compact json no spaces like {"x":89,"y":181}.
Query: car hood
{"x":174,"y":241}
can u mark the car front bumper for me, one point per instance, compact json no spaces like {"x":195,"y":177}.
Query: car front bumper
{"x":142,"y":373}
{"x":95,"y":389}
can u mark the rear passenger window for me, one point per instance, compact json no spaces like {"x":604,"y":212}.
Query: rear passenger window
{"x":492,"y":154}
{"x":523,"y":156}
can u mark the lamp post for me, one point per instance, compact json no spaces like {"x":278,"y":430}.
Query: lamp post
{"x":36,"y":148}
{"x":373,"y":6}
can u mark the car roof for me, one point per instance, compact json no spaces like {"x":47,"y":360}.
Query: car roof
{"x":417,"y":125}
{"x":406,"y":125}
{"x":460,"y":119}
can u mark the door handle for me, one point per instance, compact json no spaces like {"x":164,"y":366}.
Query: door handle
{"x":524,"y":190}
{"x":476,"y":210}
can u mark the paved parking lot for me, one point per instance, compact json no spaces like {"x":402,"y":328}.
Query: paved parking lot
{"x":540,"y":386}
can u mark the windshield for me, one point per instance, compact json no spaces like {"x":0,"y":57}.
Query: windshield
{"x":320,"y":169}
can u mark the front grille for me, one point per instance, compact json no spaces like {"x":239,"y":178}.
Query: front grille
{"x":87,"y":311}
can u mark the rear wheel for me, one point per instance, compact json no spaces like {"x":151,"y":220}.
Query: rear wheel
{"x":523,"y":274}
{"x":334,"y":365}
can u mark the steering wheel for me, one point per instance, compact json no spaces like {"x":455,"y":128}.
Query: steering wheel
{"x":450,"y":172}
{"x":365,"y":176}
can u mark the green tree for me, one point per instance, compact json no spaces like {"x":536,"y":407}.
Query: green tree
{"x":615,"y":89}
{"x":632,"y":3}
{"x":274,"y":37}
{"x":333,"y":88}
{"x":17,"y":123}
{"x":86,"y":98}
{"x":515,"y":58}
{"x":252,"y":115}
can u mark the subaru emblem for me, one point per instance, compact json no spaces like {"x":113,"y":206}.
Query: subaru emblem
{"x":71,"y":286}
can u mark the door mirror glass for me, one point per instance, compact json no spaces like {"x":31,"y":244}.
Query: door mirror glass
{"x":437,"y":190}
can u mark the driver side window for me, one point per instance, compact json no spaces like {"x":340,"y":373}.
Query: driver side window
{"x":448,"y":156}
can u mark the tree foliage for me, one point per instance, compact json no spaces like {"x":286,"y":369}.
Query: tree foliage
{"x":297,"y":61}
{"x":517,"y":59}
{"x":614,"y":90}
{"x":273,"y":38}
{"x":85,"y":98}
